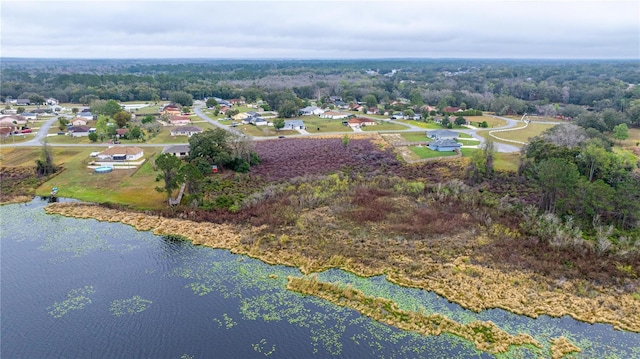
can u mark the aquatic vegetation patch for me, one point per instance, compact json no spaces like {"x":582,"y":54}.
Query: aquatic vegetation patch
{"x":263,"y":347}
{"x":226,"y":321}
{"x":485,"y":335}
{"x":76,"y":299}
{"x":135,"y":304}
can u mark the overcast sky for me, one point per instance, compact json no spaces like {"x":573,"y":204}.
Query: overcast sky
{"x":321,"y":29}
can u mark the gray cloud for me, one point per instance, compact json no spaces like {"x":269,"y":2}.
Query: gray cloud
{"x":321,"y":29}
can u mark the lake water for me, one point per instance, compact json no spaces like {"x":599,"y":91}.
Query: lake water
{"x":78,"y":288}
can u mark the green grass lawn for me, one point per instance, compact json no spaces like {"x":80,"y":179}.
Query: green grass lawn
{"x":464,"y":135}
{"x":427,"y":125}
{"x":468,"y":152}
{"x":523,"y":135}
{"x":492,"y":122}
{"x":263,"y":131}
{"x":129,"y":187}
{"x":468,"y":142}
{"x":316,"y":124}
{"x":17,"y":138}
{"x":502,"y":161}
{"x":415,"y":136}
{"x":68,"y":139}
{"x":384,"y":126}
{"x":425,"y":152}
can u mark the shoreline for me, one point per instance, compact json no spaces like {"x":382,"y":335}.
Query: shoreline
{"x":471,"y":286}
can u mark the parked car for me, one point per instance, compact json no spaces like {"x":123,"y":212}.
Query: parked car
{"x":26,"y":130}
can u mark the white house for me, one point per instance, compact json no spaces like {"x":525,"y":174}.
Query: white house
{"x":177,"y":150}
{"x":185,"y":131}
{"x":52,"y":101}
{"x":334,"y":115}
{"x":79,"y":131}
{"x":293,"y":125}
{"x":311,"y":110}
{"x":442,"y":135}
{"x":121,"y":153}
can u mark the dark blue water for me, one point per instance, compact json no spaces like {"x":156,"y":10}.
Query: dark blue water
{"x":73,"y":288}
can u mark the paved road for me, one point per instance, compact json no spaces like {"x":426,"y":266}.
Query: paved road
{"x":40,"y":135}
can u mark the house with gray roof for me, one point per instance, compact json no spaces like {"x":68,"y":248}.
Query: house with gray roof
{"x":444,"y":145}
{"x":442,"y":135}
{"x":311,"y":110}
{"x":185,"y":131}
{"x":294,"y":125}
{"x":177,"y":150}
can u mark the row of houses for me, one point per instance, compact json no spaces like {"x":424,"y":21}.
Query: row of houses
{"x":27,"y":102}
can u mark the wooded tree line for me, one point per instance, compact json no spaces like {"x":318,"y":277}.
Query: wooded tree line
{"x":582,"y":178}
{"x":501,"y":86}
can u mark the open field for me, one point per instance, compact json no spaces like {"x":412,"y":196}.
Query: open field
{"x":316,"y":124}
{"x":384,"y":126}
{"x":415,"y":136}
{"x":17,"y":138}
{"x":634,"y":138}
{"x":523,"y":135}
{"x":426,"y":125}
{"x":491,"y":121}
{"x":468,"y":141}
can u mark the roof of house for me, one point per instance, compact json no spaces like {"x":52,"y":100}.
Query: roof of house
{"x":28,"y":114}
{"x":187,"y":129}
{"x":80,"y":129}
{"x":5,"y":130}
{"x":451,"y":109}
{"x":122,"y":131}
{"x":176,"y":149}
{"x":445,"y":143}
{"x":442,"y":133}
{"x":294,"y":123}
{"x":11,"y":118}
{"x":121,"y":150}
{"x":361,"y":120}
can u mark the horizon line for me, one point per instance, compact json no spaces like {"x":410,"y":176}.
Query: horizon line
{"x":326,"y":58}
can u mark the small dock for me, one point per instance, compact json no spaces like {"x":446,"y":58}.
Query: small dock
{"x":174,"y":202}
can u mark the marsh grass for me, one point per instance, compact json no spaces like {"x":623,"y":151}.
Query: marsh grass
{"x":486,"y":336}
